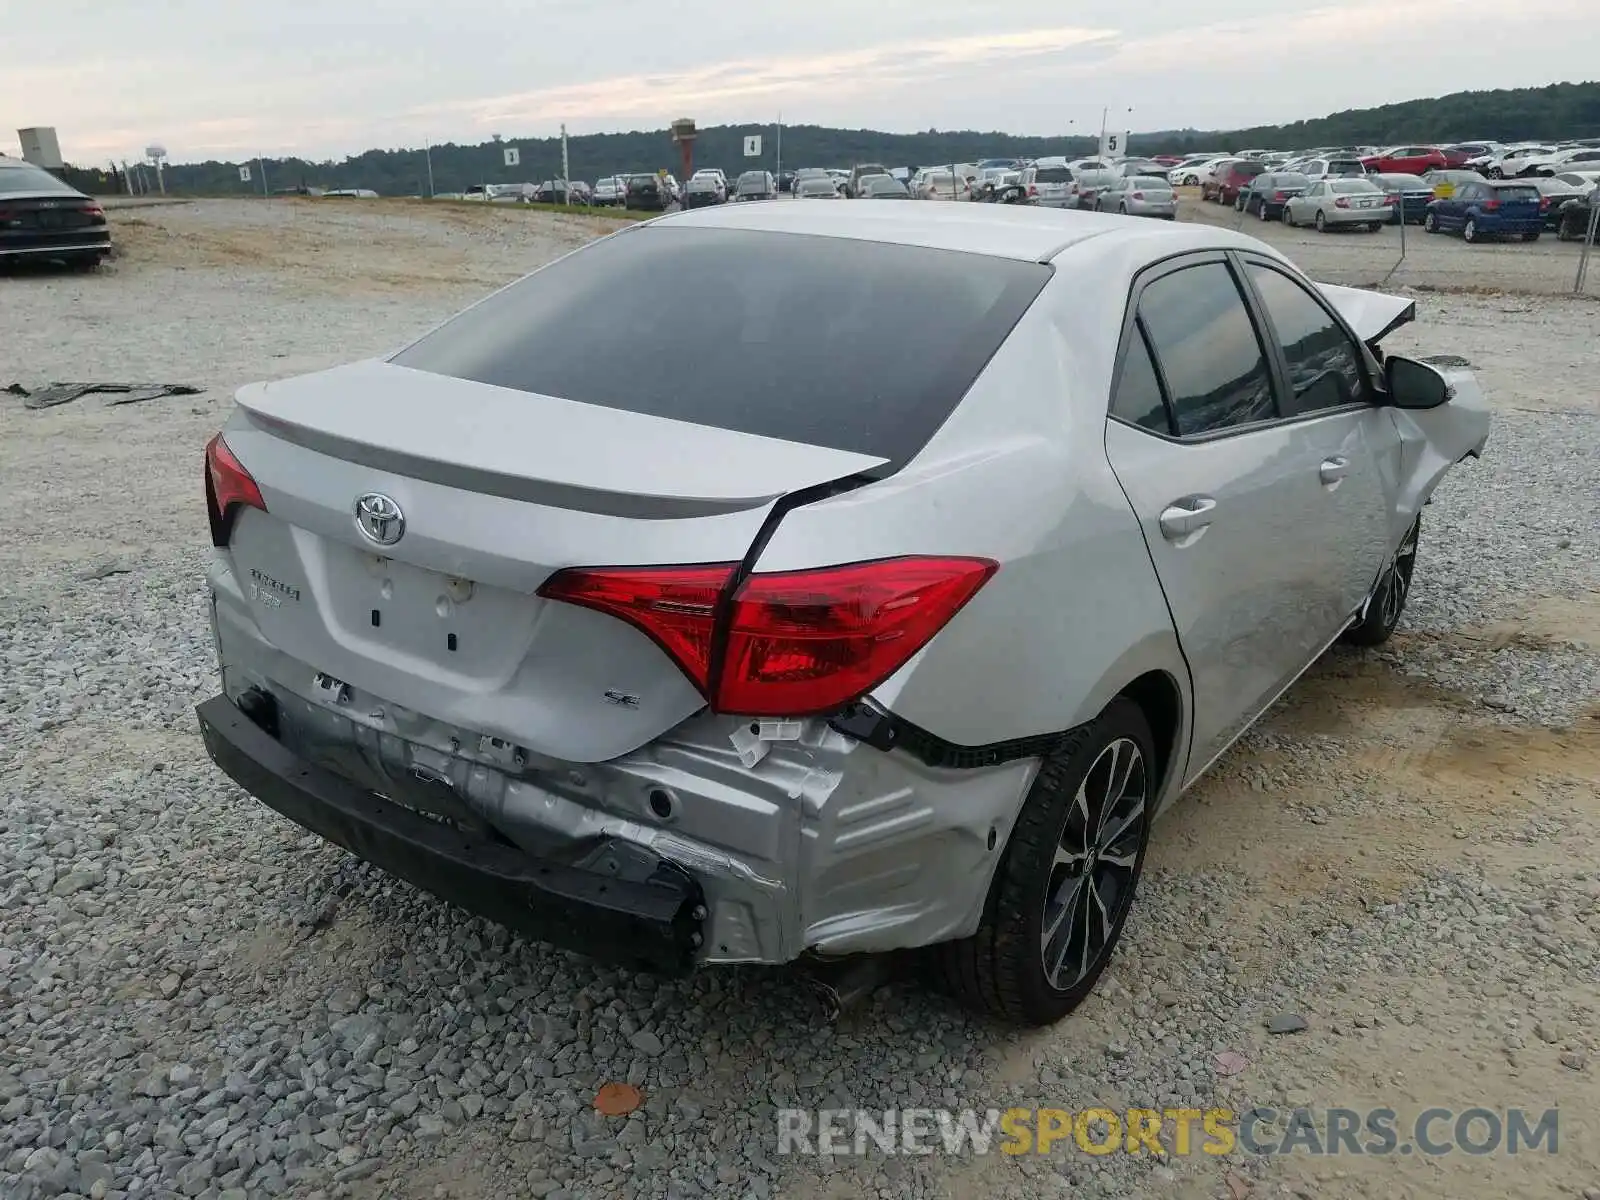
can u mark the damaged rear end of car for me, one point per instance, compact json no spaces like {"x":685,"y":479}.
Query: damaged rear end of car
{"x":492,"y":613}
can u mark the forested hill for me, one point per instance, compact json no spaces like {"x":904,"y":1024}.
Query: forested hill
{"x":1562,"y":110}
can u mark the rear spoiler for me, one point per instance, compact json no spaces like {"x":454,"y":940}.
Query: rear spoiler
{"x":1372,"y":315}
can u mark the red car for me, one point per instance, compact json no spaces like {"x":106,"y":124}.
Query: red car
{"x":1407,"y":160}
{"x":1231,"y":180}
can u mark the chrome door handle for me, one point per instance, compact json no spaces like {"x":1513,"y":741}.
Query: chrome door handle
{"x":1186,"y":516}
{"x":1334,"y":469}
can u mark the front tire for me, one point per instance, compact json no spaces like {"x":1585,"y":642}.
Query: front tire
{"x":1065,"y":885}
{"x":1261,"y":211}
{"x":1321,"y":223}
{"x":1388,"y":600}
{"x":1430,"y":224}
{"x":1288,"y":217}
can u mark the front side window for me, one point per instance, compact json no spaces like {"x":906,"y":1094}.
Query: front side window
{"x":1324,"y":364}
{"x":1206,"y":345}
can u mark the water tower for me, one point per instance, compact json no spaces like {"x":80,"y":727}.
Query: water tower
{"x":683,"y":133}
{"x":156,"y":153}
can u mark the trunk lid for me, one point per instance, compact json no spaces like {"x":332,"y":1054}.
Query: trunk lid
{"x":492,"y":500}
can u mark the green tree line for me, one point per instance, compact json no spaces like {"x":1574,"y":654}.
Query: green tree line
{"x":1561,"y":110}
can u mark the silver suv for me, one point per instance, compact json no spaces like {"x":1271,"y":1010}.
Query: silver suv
{"x":626,"y":634}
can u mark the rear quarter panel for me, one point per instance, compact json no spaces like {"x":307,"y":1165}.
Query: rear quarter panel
{"x":1018,"y":474}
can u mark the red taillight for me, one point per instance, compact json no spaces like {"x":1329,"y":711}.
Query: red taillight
{"x":1544,"y":203}
{"x":1491,"y":205}
{"x":94,"y":210}
{"x":1341,"y":202}
{"x":795,"y":643}
{"x":1279,"y":197}
{"x":1032,"y":190}
{"x":1391,"y":198}
{"x":228,"y":485}
{"x":1138,"y":195}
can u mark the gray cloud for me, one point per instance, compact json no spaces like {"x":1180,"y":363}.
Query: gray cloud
{"x":328,"y":77}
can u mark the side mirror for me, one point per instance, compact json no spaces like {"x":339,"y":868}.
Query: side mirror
{"x":1413,"y":384}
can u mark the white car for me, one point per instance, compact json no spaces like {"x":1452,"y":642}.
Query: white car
{"x":1509,"y":163}
{"x":1195,"y":172}
{"x":1571,"y":158}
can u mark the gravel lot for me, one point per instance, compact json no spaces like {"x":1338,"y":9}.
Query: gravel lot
{"x":196,"y":1000}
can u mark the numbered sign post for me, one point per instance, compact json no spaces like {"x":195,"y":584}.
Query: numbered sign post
{"x":752,"y":146}
{"x":513,"y":157}
{"x":244,"y":174}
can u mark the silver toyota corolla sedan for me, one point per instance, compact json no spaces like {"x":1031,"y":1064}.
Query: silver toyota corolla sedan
{"x":624,"y":634}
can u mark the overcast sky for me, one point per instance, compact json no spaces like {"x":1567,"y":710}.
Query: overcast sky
{"x":325,"y":78}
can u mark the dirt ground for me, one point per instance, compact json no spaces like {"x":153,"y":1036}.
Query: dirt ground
{"x":1369,"y":782}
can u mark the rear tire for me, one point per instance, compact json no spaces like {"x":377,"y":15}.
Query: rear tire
{"x":1375,"y":227}
{"x":1288,"y":217}
{"x":1430,"y":224}
{"x":1321,"y":224}
{"x":1531,"y":237}
{"x":1261,"y":211}
{"x":1389,"y":596}
{"x":1469,"y":231}
{"x":1065,"y":885}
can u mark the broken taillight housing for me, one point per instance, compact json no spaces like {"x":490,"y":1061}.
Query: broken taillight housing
{"x":228,"y":486}
{"x":784,"y":643}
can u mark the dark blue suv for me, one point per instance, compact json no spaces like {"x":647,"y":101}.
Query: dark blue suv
{"x":1487,"y":209}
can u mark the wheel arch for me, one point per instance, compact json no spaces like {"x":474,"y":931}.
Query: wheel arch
{"x":1161,"y":699}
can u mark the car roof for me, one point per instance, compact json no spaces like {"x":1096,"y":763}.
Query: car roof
{"x":999,"y":231}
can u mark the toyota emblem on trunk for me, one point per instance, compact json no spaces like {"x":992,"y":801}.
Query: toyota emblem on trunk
{"x":380,"y":519}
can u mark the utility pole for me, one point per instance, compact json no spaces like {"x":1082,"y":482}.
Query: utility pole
{"x":427,"y":154}
{"x":780,"y":143}
{"x":566,"y":178}
{"x":262,"y":163}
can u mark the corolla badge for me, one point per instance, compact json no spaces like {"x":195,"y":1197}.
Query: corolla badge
{"x":379,"y":518}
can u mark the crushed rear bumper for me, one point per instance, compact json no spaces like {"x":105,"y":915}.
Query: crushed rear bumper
{"x":646,"y":916}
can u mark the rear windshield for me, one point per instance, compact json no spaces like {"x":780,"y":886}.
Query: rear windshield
{"x":1353,"y":185}
{"x":1052,"y":175}
{"x":1406,"y":182}
{"x":1346,"y":166}
{"x":752,"y":177}
{"x":1150,"y":183}
{"x":908,"y":336}
{"x":28,"y":178}
{"x":1247,"y":168}
{"x":1288,"y":179}
{"x":1517,"y":193}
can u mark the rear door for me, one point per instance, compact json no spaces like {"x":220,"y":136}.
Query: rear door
{"x":1227,"y":493}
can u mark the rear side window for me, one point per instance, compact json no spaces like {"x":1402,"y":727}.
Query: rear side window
{"x":1206,"y":345}
{"x":895,"y":334}
{"x":1138,"y":397}
{"x":1324,"y":364}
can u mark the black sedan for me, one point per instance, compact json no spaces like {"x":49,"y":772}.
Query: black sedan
{"x":647,"y":193}
{"x":1266,"y":194}
{"x":1412,"y":194}
{"x":43,"y":219}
